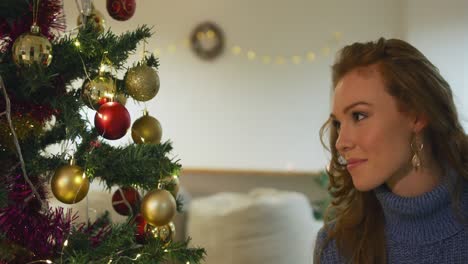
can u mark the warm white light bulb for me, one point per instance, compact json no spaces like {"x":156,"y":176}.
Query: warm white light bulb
{"x":251,"y":55}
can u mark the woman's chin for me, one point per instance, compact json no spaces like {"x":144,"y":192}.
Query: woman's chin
{"x":364,"y":186}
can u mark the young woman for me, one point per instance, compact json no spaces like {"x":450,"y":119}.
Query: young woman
{"x":399,"y":165}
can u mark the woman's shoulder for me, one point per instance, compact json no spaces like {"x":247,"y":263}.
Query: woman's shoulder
{"x":464,"y":195}
{"x":323,"y":233}
{"x":325,"y":248}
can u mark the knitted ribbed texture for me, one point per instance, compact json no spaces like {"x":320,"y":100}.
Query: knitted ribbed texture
{"x":420,"y":229}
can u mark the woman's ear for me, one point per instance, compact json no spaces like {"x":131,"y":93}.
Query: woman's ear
{"x":419,"y":122}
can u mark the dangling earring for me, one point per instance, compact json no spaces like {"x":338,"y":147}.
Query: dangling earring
{"x":416,"y":147}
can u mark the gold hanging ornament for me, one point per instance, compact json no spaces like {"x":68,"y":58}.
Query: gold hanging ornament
{"x":26,"y":127}
{"x":146,"y":130}
{"x":96,"y":18}
{"x":158,"y":207}
{"x":69,"y":184}
{"x":171,"y":183}
{"x":99,"y":91}
{"x":32,"y":47}
{"x":165,"y":233}
{"x":142,"y":82}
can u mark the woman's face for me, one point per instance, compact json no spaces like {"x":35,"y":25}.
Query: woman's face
{"x":373,"y":134}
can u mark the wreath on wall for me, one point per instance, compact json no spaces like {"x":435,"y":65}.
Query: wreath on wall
{"x":207,"y":40}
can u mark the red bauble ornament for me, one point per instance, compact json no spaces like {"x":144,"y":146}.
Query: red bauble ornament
{"x":112,"y":120}
{"x":121,"y":9}
{"x":131,"y":195}
{"x":140,"y":235}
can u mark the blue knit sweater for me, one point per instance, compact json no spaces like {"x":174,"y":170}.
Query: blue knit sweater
{"x":421,"y":229}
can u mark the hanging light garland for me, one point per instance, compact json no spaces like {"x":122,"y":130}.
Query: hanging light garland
{"x":295,"y":58}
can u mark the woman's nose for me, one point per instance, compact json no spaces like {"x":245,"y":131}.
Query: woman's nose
{"x":344,"y":141}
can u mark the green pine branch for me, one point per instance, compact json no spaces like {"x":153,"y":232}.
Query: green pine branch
{"x":181,"y":252}
{"x":120,"y":247}
{"x":149,"y":163}
{"x":3,"y":196}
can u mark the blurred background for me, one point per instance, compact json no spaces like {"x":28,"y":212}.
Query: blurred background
{"x":250,"y":117}
{"x":245,"y":112}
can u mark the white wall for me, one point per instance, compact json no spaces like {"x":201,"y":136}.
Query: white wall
{"x":440,"y":30}
{"x":236,"y":113}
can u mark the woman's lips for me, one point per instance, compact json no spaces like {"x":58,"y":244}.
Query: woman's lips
{"x":353,"y":163}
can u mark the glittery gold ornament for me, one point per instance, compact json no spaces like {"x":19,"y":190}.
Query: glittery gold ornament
{"x":31,"y":48}
{"x":97,"y":20}
{"x":158,"y":207}
{"x":165,"y":233}
{"x":146,"y":130}
{"x":98,"y":91}
{"x":142,"y":82}
{"x":25,"y":127}
{"x":69,"y":184}
{"x":171,"y":183}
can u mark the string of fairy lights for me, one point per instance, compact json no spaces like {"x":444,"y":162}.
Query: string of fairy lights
{"x":253,"y":55}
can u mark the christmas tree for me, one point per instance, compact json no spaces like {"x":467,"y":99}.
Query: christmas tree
{"x":40,"y":106}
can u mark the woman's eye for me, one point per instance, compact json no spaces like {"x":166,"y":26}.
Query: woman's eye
{"x":358,"y":116}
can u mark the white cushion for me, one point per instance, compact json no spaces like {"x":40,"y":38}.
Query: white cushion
{"x":263,"y":226}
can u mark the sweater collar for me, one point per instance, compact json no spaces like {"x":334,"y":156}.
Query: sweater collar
{"x":422,"y":219}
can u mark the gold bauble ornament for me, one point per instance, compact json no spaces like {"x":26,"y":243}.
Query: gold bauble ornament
{"x":146,"y":130}
{"x":158,"y":207}
{"x":142,"y":82}
{"x":31,"y":48}
{"x":165,"y":233}
{"x":69,"y":184}
{"x":26,"y":127}
{"x":97,"y":20}
{"x":98,"y":91}
{"x":172,"y":183}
